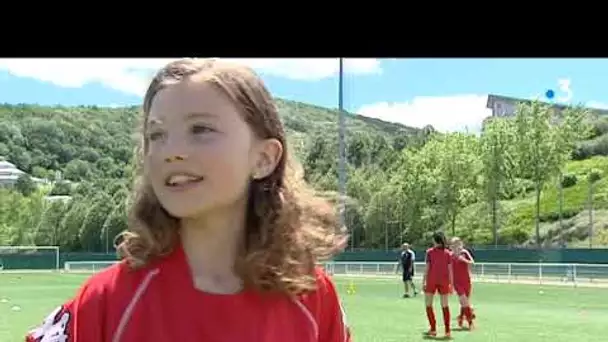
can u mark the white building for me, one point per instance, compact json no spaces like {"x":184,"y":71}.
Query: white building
{"x":9,"y":174}
{"x":506,"y":106}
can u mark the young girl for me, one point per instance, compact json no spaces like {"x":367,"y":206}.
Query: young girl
{"x":224,"y":238}
{"x":461,"y":261}
{"x":438,"y":279}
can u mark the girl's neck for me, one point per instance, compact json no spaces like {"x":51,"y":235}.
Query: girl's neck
{"x":213,"y":243}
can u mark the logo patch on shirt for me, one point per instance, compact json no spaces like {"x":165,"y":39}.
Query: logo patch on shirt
{"x":54,"y":328}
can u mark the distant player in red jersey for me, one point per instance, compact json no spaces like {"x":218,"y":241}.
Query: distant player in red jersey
{"x":461,"y":263}
{"x":224,"y":237}
{"x":438,"y":279}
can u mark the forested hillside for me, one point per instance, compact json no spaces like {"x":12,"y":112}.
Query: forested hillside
{"x":87,"y":151}
{"x":402,"y":183}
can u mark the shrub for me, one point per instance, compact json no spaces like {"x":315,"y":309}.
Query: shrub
{"x":589,"y":148}
{"x":594,"y":175}
{"x":554,"y":215}
{"x":569,"y":180}
{"x":599,"y":127}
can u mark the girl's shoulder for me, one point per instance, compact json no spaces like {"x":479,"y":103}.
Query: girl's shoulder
{"x":118,"y":282}
{"x":101,"y":298}
{"x":325,"y":287}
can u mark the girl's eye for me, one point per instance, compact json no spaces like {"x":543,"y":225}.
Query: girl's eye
{"x":199,"y":129}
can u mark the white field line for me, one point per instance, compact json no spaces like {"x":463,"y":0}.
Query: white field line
{"x":555,"y":281}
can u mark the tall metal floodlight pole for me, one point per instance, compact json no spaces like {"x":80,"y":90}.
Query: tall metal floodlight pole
{"x":341,"y":145}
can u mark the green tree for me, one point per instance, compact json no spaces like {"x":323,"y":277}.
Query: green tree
{"x":498,"y":157}
{"x":61,"y":188}
{"x":573,"y":126}
{"x":91,"y":231}
{"x":68,"y":234}
{"x":415,"y":185}
{"x":458,"y":170}
{"x":46,"y":232}
{"x":25,"y":185}
{"x":543,"y":141}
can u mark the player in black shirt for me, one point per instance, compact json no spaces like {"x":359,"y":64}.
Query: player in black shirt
{"x":407,"y":258}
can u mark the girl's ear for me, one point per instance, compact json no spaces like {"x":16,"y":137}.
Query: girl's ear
{"x":268,"y":154}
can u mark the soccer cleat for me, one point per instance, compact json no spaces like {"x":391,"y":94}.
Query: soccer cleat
{"x":448,"y":335}
{"x":472,"y":312}
{"x":431,"y":333}
{"x":460,"y":321}
{"x":471,"y":326}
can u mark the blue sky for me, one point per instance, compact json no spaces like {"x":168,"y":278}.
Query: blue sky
{"x":449,"y":94}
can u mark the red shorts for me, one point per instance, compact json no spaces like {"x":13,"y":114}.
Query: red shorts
{"x":462,"y":289}
{"x":442,"y":289}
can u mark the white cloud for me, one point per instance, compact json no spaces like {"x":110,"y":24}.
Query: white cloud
{"x":311,"y":69}
{"x":597,"y":104}
{"x":444,"y":113}
{"x":131,"y":75}
{"x":127,"y":75}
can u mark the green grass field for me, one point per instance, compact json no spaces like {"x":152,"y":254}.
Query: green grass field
{"x":376,"y":312}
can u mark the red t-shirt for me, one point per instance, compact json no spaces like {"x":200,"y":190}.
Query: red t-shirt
{"x":159,"y":303}
{"x":462,"y":274}
{"x":438,"y":262}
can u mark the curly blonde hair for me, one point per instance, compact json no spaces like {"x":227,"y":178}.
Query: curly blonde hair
{"x":288,"y":229}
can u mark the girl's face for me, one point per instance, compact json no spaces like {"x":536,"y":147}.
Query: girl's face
{"x":201,"y":153}
{"x":457,"y":245}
